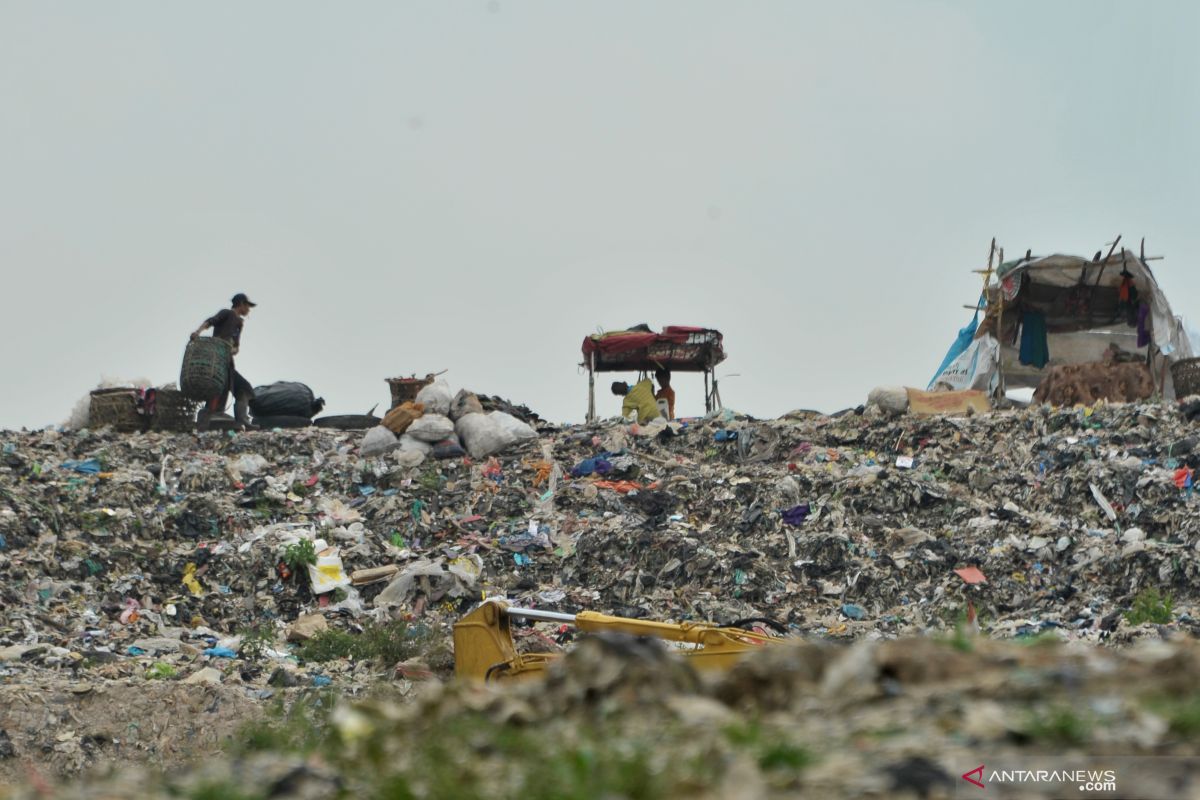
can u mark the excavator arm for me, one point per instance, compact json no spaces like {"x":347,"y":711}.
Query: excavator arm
{"x":484,"y":650}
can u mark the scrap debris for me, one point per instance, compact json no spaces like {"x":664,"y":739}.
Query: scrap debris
{"x":119,"y":553}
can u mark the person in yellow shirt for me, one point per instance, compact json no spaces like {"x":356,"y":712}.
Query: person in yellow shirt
{"x":665,"y":392}
{"x":639,"y":400}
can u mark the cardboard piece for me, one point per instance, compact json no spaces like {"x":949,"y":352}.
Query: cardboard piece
{"x":947,"y":403}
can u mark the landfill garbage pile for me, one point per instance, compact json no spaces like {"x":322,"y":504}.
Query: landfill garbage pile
{"x":620,"y":717}
{"x":205,"y":564}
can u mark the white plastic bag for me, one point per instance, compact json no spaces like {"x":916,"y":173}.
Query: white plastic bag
{"x":410,"y":458}
{"x":431,"y":428}
{"x":892,"y":399}
{"x":410,"y":445}
{"x":404,"y":585}
{"x":976,"y":368}
{"x":520,"y":431}
{"x":482,"y":435}
{"x":250,"y":464}
{"x":377,"y":441}
{"x":328,"y":573}
{"x":436,"y":397}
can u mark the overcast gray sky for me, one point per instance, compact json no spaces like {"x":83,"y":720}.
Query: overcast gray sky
{"x":474,"y":186}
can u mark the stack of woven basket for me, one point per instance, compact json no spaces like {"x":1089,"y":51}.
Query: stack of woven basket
{"x":137,"y":410}
{"x":1185,"y":373}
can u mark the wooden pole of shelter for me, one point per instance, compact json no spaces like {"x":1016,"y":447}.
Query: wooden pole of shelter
{"x":1001,"y":384}
{"x":981,"y":303}
{"x":591,"y":412}
{"x":707,"y":396}
{"x":1099,"y":275}
{"x":1104,"y":264}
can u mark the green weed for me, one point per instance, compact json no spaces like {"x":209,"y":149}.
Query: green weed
{"x":431,"y":480}
{"x":770,"y":749}
{"x":1150,"y":606}
{"x":158,"y":671}
{"x":257,"y":640}
{"x":1060,"y":725}
{"x":387,"y":642}
{"x":1047,"y":638}
{"x":1182,"y":714}
{"x":302,"y":728}
{"x":329,"y":645}
{"x":300,"y":554}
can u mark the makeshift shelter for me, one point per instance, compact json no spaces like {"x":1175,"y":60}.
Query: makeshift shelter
{"x":1040,"y":312}
{"x":678,"y":348}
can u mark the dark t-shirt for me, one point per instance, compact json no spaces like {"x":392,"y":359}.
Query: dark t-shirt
{"x":227,"y":325}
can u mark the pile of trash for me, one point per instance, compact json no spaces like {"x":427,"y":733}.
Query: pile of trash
{"x":620,"y":717}
{"x":210,"y":558}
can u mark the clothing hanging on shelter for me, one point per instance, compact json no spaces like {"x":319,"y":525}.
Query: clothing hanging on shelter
{"x":1125,"y":291}
{"x":1143,"y":324}
{"x":1127,"y":300}
{"x":1035,"y":351}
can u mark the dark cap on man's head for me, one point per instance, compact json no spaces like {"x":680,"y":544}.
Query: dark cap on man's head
{"x":239,"y":299}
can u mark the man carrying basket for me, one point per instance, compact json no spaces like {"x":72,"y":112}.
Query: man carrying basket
{"x":227,"y":324}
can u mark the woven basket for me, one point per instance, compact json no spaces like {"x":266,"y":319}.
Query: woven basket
{"x":407,"y":389}
{"x":173,"y":412}
{"x":205,"y":371}
{"x":117,"y":408}
{"x":1186,"y":375}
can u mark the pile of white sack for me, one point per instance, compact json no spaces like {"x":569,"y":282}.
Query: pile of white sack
{"x":452,"y":425}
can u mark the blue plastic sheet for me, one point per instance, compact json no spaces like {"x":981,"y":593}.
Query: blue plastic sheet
{"x":854,"y":612}
{"x":961,"y":343}
{"x":220,"y":652}
{"x":89,"y":467}
{"x":598,"y":465}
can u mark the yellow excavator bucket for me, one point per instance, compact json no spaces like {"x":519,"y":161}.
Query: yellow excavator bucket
{"x":483,"y":645}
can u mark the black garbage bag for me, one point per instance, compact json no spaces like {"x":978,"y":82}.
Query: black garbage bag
{"x":285,"y":399}
{"x":282,"y":422}
{"x":348,"y":422}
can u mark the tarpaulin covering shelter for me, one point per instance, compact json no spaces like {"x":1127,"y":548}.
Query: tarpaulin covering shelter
{"x":679,"y":348}
{"x":1044,"y":311}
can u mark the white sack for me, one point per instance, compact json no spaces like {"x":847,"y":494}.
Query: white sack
{"x":482,"y":435}
{"x":431,"y":428}
{"x":520,"y":431}
{"x":377,"y":441}
{"x":436,"y":397}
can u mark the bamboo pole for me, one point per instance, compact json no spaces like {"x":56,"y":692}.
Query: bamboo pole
{"x":1104,"y":264}
{"x":1001,"y":384}
{"x":591,"y":412}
